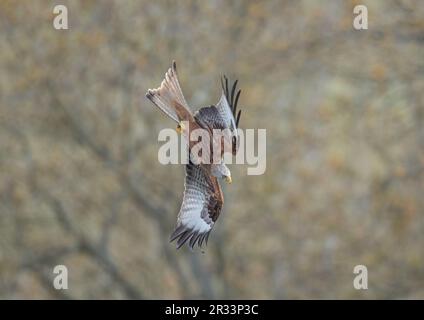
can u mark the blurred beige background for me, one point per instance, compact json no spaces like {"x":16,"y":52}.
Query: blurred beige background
{"x":80,"y":183}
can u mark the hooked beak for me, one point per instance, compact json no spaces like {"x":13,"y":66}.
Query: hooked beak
{"x":228,"y":179}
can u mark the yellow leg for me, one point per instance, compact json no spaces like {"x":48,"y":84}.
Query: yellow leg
{"x":180,"y":128}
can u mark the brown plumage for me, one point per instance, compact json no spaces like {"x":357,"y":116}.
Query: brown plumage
{"x":203,"y":198}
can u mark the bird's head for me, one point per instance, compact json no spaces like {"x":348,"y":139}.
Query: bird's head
{"x":221,"y":171}
{"x":228,"y":179}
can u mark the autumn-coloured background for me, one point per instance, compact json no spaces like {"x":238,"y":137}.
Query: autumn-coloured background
{"x":80,"y":183}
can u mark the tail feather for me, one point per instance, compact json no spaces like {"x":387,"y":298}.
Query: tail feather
{"x":169,"y":95}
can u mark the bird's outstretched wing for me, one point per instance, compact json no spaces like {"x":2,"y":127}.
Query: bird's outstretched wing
{"x":169,"y":96}
{"x":227,"y":104}
{"x":210,"y":117}
{"x":202,"y":204}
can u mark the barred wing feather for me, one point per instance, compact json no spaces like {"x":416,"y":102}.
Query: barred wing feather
{"x":202,"y":203}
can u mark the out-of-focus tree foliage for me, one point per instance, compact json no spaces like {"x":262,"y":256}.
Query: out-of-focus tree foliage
{"x":80,"y":183}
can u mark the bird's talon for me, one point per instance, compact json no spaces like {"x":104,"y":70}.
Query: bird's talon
{"x":180,"y":128}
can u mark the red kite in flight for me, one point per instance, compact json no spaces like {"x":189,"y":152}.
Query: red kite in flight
{"x":203,"y":198}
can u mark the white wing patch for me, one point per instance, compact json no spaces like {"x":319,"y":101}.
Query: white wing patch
{"x":194,"y":222}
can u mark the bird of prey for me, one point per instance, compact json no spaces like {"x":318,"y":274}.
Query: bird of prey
{"x":203,"y":198}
